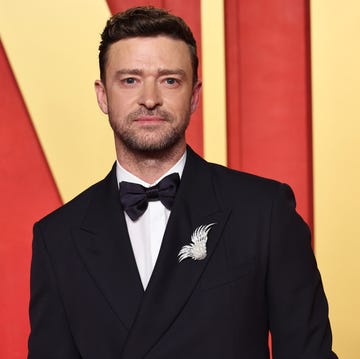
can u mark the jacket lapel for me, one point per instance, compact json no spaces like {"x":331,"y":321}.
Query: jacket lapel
{"x":104,"y":245}
{"x":172,"y":283}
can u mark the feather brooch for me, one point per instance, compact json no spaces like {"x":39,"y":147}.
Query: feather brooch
{"x":197,"y":248}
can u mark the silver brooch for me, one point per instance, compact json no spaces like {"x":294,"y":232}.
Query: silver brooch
{"x":197,"y":249}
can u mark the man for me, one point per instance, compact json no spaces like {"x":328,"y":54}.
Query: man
{"x":170,"y":256}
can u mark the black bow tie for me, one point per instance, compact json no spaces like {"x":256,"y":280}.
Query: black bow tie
{"x":135,"y":197}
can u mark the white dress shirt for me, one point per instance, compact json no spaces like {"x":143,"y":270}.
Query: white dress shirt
{"x":146,"y":233}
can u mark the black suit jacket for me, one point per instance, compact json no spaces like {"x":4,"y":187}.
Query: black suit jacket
{"x":259,"y":274}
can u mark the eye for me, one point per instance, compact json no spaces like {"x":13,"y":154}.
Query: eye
{"x":171,"y":82}
{"x":129,"y":81}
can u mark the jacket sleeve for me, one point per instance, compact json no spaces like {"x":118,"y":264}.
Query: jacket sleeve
{"x":298,"y":309}
{"x":50,"y":336}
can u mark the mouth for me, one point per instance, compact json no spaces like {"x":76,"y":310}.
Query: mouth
{"x":150,"y":120}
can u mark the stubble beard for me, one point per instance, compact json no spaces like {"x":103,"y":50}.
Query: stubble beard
{"x":153,"y":140}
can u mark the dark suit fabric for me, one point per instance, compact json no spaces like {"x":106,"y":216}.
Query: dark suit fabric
{"x":259,"y":275}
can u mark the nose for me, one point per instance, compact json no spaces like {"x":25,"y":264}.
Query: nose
{"x":150,"y":96}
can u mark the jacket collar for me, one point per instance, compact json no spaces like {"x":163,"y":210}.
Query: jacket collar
{"x":104,"y":245}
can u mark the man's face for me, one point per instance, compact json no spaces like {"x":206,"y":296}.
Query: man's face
{"x":149,"y":95}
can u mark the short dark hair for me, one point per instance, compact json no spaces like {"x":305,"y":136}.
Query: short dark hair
{"x":146,"y":21}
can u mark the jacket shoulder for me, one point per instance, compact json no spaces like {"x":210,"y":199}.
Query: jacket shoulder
{"x":235,"y":186}
{"x":229,"y":177}
{"x":73,"y":211}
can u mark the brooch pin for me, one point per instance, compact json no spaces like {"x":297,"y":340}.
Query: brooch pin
{"x":197,"y":249}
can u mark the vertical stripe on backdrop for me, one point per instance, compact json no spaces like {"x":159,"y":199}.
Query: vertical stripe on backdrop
{"x":268,"y":92}
{"x":190,"y":12}
{"x":213,"y":54}
{"x":335,"y":30}
{"x":27,"y":192}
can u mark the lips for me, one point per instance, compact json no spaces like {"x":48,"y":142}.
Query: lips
{"x":142,"y":116}
{"x":150,"y":119}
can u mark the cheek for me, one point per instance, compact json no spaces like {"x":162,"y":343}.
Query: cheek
{"x":120,"y":105}
{"x":179,"y":104}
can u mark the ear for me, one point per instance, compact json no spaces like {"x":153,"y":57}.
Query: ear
{"x":101,"y":96}
{"x":195,"y":96}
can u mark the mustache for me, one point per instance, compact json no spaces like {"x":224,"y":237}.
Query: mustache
{"x":146,"y":112}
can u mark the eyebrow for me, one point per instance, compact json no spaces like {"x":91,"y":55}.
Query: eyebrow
{"x":129,"y":72}
{"x":164,"y":72}
{"x":161,"y":72}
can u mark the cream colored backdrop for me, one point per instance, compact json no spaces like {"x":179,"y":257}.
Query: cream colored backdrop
{"x":336,"y":135}
{"x":39,"y":34}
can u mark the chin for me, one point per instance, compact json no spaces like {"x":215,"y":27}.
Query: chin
{"x":151,"y":144}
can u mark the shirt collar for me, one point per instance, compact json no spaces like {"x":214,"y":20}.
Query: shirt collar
{"x":123,"y":175}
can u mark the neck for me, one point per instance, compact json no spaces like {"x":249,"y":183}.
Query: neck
{"x":149,"y":166}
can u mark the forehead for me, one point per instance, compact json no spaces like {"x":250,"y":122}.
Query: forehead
{"x":159,"y":51}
